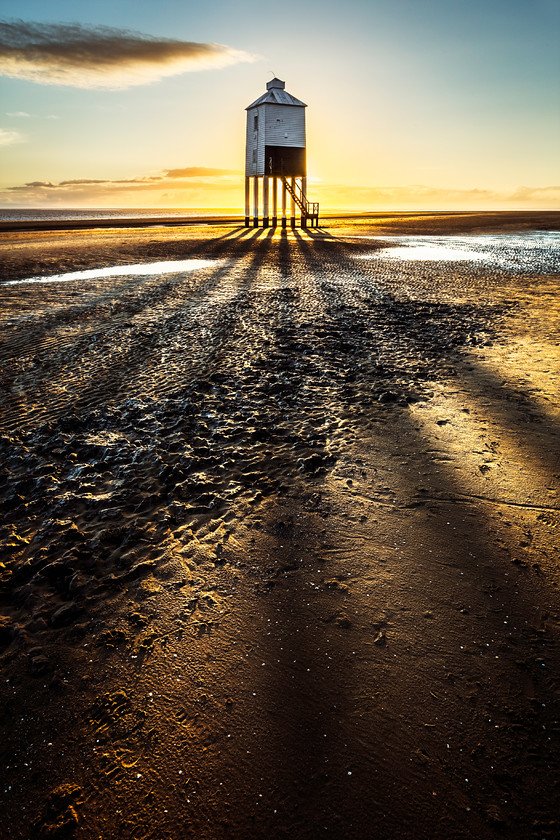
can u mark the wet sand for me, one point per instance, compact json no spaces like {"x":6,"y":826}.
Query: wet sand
{"x":280,"y":536}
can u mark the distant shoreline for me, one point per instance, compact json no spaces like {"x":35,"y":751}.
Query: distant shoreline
{"x":131,"y":222}
{"x":510,"y":220}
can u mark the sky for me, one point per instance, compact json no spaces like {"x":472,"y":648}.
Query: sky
{"x":412,"y":104}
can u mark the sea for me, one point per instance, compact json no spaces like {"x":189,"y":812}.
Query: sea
{"x":116,"y":213}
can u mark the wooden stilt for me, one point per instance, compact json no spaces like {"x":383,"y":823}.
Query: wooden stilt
{"x":265,"y":201}
{"x":247,"y":200}
{"x":274,"y":202}
{"x":304,"y":194}
{"x":255,"y":201}
{"x":292,"y":205}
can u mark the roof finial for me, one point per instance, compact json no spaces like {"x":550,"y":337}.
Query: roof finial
{"x":275,"y":83}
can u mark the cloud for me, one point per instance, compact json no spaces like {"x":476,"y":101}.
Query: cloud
{"x":17,"y":114}
{"x":33,"y":185}
{"x":9,"y":137}
{"x":200,"y":187}
{"x":201,"y":175}
{"x":101,"y":56}
{"x":532,"y":193}
{"x":81,"y":182}
{"x":198,"y":171}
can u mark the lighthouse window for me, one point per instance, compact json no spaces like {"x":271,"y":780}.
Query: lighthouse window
{"x":256,"y":122}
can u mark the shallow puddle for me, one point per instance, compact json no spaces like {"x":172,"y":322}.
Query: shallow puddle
{"x":431,"y":252}
{"x":528,"y":251}
{"x":139,"y":269}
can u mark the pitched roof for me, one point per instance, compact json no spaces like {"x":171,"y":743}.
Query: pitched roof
{"x":277,"y":96}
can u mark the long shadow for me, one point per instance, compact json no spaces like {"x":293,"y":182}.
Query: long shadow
{"x":349,"y":784}
{"x":291,"y":765}
{"x":478,"y":569}
{"x":334,"y":755}
{"x":462,"y":567}
{"x":517,"y":410}
{"x":143,"y":351}
{"x":235,"y":233}
{"x":256,"y":455}
{"x":482,"y":382}
{"x":65,"y":313}
{"x":171,"y":422}
{"x":132,"y":358}
{"x":154,"y":435}
{"x":294,"y":762}
{"x":319,"y":234}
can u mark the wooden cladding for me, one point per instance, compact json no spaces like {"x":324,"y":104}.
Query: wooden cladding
{"x":278,"y":127}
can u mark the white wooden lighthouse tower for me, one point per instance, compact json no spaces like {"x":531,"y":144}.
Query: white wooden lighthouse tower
{"x":275,"y":157}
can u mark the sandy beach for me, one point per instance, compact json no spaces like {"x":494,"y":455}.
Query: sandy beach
{"x":279,"y":544}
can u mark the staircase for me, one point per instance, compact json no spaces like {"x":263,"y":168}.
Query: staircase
{"x":309,"y":209}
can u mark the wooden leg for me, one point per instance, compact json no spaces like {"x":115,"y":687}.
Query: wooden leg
{"x":265,"y":201}
{"x":293,"y":206}
{"x":247,"y":200}
{"x":255,"y":201}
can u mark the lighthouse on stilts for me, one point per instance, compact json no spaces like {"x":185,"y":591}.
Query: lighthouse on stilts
{"x":275,"y":160}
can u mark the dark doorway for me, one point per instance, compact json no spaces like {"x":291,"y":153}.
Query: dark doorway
{"x":285,"y":160}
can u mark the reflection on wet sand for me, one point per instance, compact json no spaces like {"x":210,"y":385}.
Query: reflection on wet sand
{"x":140,"y":270}
{"x":529,"y":251}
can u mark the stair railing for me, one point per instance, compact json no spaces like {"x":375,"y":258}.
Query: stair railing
{"x":309,"y":209}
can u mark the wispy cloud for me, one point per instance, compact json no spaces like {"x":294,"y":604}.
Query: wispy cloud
{"x":204,"y":174}
{"x":199,"y":171}
{"x":531,"y":193}
{"x":17,"y":114}
{"x":9,"y":137}
{"x":198,"y":187}
{"x":101,"y":56}
{"x":188,"y":180}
